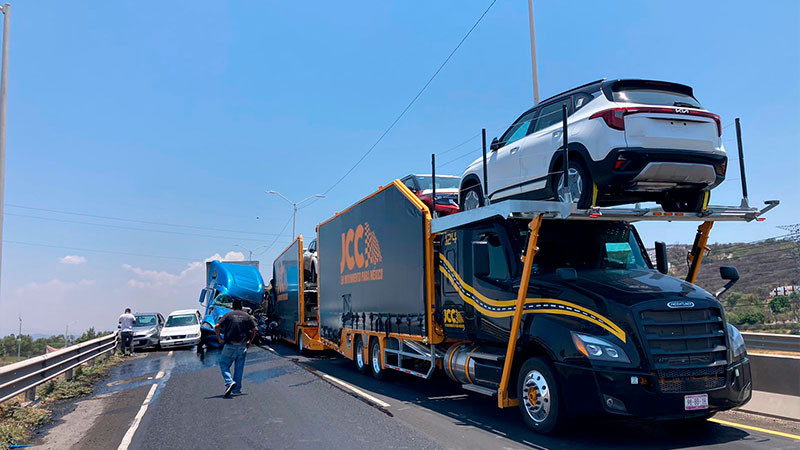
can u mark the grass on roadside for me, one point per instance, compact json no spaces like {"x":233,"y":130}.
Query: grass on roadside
{"x":17,"y":423}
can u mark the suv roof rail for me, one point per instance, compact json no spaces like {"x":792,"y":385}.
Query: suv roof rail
{"x":572,"y":90}
{"x":523,"y":209}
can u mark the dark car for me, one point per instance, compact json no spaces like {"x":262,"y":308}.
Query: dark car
{"x":446,"y":191}
{"x":147,"y":330}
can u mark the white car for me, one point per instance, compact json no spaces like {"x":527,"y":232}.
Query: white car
{"x":629,"y":141}
{"x":181,"y":329}
{"x":310,"y":265}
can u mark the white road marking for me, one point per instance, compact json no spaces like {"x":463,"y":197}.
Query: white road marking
{"x":773,"y":356}
{"x":126,"y":440}
{"x":171,"y":352}
{"x":160,"y":375}
{"x":356,"y":390}
{"x":270,"y":348}
{"x":449,"y":397}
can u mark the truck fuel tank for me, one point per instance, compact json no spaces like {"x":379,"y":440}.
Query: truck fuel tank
{"x":474,"y":364}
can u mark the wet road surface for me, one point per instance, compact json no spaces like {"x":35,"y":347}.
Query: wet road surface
{"x":288,"y":403}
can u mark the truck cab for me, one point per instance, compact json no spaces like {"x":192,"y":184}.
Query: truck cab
{"x":605,"y":330}
{"x":226,"y":280}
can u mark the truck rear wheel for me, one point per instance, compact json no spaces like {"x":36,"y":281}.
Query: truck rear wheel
{"x":539,"y":399}
{"x":375,"y":359}
{"x":362,"y":364}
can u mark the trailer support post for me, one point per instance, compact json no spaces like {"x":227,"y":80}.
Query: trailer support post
{"x":503,"y":400}
{"x":698,"y":250}
{"x":745,"y":201}
{"x":433,"y":185}
{"x":565,"y":188}
{"x":485,"y":171}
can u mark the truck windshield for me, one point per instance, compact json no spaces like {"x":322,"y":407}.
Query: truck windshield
{"x":584,"y":245}
{"x":181,"y":320}
{"x":224,"y":300}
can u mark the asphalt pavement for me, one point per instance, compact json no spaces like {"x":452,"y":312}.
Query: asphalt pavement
{"x":174,"y":400}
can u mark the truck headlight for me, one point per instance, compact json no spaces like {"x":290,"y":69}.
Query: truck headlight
{"x":599,"y":349}
{"x":736,"y":343}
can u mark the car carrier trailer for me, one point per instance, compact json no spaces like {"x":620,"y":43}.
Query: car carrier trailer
{"x":293,"y":303}
{"x":551,"y":309}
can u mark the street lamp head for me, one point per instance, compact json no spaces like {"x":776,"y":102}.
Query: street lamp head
{"x":319,"y":196}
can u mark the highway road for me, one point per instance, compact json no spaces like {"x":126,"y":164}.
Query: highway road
{"x":173,"y":400}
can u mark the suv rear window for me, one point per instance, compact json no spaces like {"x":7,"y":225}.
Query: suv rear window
{"x":655,"y":97}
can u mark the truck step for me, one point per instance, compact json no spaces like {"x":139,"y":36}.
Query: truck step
{"x":423,"y":349}
{"x":487,"y":356}
{"x":480,"y":389}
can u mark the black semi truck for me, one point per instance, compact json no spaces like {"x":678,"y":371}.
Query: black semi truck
{"x":557,"y":311}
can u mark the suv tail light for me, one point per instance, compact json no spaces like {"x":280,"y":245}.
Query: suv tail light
{"x":615,"y":117}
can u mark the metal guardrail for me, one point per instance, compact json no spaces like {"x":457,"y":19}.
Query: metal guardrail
{"x":769,"y":341}
{"x":24,"y":376}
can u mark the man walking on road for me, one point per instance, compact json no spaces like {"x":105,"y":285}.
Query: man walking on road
{"x":239,"y":330}
{"x":126,"y":322}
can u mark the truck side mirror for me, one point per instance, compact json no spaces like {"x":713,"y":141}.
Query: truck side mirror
{"x":727,"y":273}
{"x":480,"y":258}
{"x":494,"y":145}
{"x":567,"y":274}
{"x":662,"y":265}
{"x":202,"y":296}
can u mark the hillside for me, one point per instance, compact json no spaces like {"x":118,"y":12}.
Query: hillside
{"x":762,"y":265}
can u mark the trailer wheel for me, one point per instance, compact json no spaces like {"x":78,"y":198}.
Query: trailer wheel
{"x":539,"y":399}
{"x":375,"y":358}
{"x":300,"y":347}
{"x":362,"y":364}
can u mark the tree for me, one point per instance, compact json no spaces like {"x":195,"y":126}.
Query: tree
{"x":780,"y":304}
{"x":734,"y":298}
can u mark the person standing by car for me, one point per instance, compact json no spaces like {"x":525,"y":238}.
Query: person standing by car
{"x":239,"y":330}
{"x":126,"y":323}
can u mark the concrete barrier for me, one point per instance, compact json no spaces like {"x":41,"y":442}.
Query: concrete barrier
{"x":774,"y":373}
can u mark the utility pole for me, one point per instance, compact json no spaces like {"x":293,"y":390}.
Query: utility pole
{"x":534,"y":70}
{"x":6,"y":9}
{"x":66,"y":333}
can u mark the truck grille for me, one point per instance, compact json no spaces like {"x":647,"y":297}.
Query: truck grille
{"x":684,"y":338}
{"x":691,"y":380}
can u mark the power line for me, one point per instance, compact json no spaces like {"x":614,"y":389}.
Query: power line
{"x":413,"y":100}
{"x":276,"y":237}
{"x":121,"y":227}
{"x":147,"y":222}
{"x":458,"y":146}
{"x":35,"y":244}
{"x":460,"y":157}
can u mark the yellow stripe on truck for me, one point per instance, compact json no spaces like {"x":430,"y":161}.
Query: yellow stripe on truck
{"x":505,"y":308}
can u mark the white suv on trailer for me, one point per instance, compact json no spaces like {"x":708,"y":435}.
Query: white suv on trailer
{"x":629,"y":141}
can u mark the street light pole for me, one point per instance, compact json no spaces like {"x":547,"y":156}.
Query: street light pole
{"x":534,"y":70}
{"x":19,"y":337}
{"x":6,"y":9}
{"x":294,"y":206}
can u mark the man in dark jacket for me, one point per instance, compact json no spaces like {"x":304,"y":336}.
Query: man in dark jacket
{"x":239,"y":331}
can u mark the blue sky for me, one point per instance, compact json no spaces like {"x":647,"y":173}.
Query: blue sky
{"x":186,"y":113}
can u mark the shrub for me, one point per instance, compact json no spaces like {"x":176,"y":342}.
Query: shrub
{"x":780,"y":304}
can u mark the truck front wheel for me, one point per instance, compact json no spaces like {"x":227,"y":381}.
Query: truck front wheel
{"x":539,"y":399}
